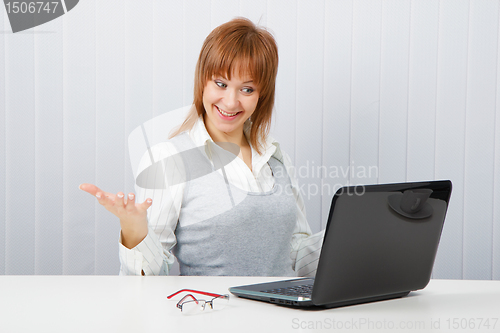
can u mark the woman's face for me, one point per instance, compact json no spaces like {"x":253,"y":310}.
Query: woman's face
{"x":229,"y":103}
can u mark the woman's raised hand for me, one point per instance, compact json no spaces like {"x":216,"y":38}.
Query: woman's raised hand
{"x":132,"y":215}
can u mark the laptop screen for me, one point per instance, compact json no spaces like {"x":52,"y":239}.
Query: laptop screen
{"x":380,"y":239}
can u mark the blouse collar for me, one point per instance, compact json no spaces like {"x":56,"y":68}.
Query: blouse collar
{"x":270,"y":147}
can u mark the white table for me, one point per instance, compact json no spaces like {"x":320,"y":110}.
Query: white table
{"x":139,"y":304}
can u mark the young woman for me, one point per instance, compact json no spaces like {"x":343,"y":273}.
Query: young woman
{"x":225,"y":200}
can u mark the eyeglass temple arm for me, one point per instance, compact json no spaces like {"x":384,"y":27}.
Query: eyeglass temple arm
{"x":179,"y":304}
{"x":194,"y":291}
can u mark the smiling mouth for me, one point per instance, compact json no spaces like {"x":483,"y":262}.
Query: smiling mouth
{"x":225,"y":114}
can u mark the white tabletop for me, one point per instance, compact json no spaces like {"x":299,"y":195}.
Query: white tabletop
{"x":139,"y":304}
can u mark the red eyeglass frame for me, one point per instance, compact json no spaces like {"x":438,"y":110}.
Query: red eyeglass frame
{"x":194,"y":291}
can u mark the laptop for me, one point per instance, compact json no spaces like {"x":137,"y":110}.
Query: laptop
{"x":380,"y":243}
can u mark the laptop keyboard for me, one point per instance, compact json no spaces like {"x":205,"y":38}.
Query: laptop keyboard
{"x":298,"y":291}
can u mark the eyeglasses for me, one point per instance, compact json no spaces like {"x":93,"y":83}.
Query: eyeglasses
{"x":190,"y":305}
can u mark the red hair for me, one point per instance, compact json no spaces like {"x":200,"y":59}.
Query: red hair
{"x":238,"y":47}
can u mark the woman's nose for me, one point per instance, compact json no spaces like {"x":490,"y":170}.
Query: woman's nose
{"x":231,"y":100}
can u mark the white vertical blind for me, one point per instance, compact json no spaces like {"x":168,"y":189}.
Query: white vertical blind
{"x":495,"y":233}
{"x":286,"y":82}
{"x":309,"y":101}
{"x":336,"y":100}
{"x":482,"y":50}
{"x":110,"y":128}
{"x":394,"y":80}
{"x":48,"y":167}
{"x":20,"y":173}
{"x":365,"y":89}
{"x":450,"y":127}
{"x":422,"y":90}
{"x":80,"y":119}
{"x":367,"y":92}
{"x":3,"y":164}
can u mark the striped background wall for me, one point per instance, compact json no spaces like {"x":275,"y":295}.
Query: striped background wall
{"x":402,"y":90}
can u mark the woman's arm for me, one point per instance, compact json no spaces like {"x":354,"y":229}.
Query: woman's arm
{"x":162,"y":179}
{"x":147,"y":229}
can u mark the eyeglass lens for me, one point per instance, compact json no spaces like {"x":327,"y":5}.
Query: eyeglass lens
{"x":193,"y":306}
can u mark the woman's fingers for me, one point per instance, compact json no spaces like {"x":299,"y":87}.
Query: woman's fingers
{"x":132,"y":206}
{"x":104,"y":198}
{"x":130,"y":203}
{"x":117,"y":204}
{"x":146,"y":204}
{"x":90,"y":188}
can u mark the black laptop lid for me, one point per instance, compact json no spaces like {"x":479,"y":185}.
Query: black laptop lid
{"x":394,"y":232}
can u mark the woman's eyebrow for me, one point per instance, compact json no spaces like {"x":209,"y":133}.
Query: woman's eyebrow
{"x":225,"y":78}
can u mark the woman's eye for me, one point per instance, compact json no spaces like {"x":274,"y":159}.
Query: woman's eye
{"x":247,"y":90}
{"x":221,"y":84}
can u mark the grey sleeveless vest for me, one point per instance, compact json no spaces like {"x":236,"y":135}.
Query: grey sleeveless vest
{"x":223,"y":230}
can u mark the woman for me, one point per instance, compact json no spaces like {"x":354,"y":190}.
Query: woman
{"x":230,"y":204}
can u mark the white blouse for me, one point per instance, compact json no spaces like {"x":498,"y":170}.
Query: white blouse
{"x":153,"y":255}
